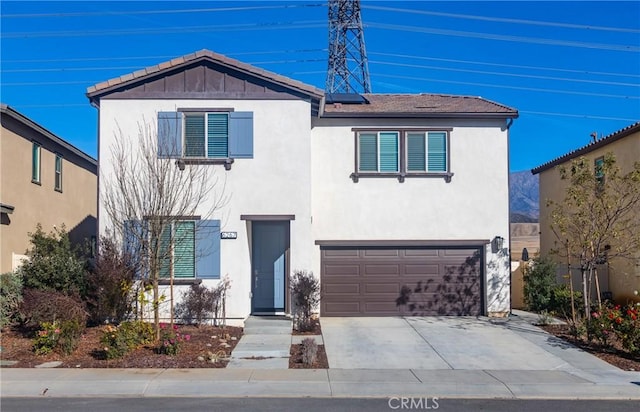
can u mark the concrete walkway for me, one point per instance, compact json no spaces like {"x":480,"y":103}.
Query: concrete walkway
{"x":382,"y":383}
{"x":265,"y":344}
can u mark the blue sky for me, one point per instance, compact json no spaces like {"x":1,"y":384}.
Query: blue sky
{"x":570,"y":68}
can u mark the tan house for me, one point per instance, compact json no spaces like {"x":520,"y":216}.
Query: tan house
{"x":621,"y":278}
{"x":45,"y":180}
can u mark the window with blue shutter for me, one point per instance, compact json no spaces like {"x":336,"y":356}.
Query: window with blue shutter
{"x":184,"y":249}
{"x":134,"y":243}
{"x":214,"y":135}
{"x":241,"y":135}
{"x":437,"y":158}
{"x":169,"y":134}
{"x":165,"y":251}
{"x":208,"y":249}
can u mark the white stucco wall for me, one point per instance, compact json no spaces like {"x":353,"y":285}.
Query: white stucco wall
{"x":474,"y":205}
{"x":276,"y":181}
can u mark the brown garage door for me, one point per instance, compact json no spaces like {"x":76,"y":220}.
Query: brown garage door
{"x":387,"y":281}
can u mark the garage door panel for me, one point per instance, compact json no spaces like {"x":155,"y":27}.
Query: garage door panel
{"x":376,"y":253}
{"x":392,"y":281}
{"x":341,"y":271}
{"x":381,"y":270}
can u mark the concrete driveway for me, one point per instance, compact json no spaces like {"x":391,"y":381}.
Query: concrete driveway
{"x":466,"y":343}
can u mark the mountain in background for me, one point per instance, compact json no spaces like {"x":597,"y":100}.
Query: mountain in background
{"x":524,"y":197}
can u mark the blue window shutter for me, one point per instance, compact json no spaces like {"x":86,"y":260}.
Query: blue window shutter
{"x":437,"y":158}
{"x":241,"y":135}
{"x":217,"y":135}
{"x":389,"y":152}
{"x":194,"y":135}
{"x":368,"y":152}
{"x":208,"y":249}
{"x":184,"y":250}
{"x":416,"y":160}
{"x":169,"y":134}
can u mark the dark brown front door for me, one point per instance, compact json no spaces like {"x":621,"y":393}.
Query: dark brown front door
{"x":387,"y":281}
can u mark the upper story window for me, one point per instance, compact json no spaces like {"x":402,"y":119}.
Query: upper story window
{"x":205,"y":136}
{"x":58,"y":173}
{"x":598,"y":166}
{"x":35,"y":162}
{"x":402,"y":153}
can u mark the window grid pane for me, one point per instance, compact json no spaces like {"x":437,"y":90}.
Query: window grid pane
{"x":35,"y":162}
{"x":437,"y":146}
{"x":368,"y":155}
{"x":194,"y":135}
{"x":184,"y":250}
{"x":58,"y":173}
{"x":388,"y":152}
{"x":217,"y":135}
{"x":416,"y":145}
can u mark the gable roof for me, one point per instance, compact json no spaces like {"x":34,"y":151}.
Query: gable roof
{"x":603,"y":141}
{"x":420,"y":105}
{"x":99,"y":90}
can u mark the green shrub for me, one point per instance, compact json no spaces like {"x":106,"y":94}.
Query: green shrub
{"x":305,"y":290}
{"x":560,"y":303}
{"x":39,"y":306}
{"x":58,"y":335}
{"x":539,"y":282}
{"x":109,"y":296}
{"x":53,"y":264}
{"x":117,"y":341}
{"x":10,"y":297}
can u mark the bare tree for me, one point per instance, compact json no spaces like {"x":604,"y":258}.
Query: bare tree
{"x":147,"y":196}
{"x":599,"y":218}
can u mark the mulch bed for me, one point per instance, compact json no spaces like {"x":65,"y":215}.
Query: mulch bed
{"x":615,"y":355}
{"x":17,"y":346}
{"x":295,"y":359}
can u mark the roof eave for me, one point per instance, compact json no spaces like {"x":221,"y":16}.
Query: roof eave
{"x":588,"y":148}
{"x":5,"y":109}
{"x":449,"y":115}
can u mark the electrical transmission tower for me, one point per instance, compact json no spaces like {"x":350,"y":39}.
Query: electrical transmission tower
{"x":348,"y":70}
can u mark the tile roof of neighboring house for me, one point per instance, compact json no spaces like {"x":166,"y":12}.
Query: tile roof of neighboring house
{"x":10,"y":111}
{"x":113,"y":84}
{"x":420,"y":105}
{"x":603,"y":141}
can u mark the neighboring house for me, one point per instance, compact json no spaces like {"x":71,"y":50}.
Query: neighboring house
{"x":398,"y":202}
{"x":43,"y":180}
{"x":620,"y":277}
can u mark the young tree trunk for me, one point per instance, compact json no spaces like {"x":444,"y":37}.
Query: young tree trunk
{"x":156,"y":309}
{"x":595,"y":271}
{"x":585,"y":292}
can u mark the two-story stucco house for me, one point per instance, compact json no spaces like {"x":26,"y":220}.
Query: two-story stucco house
{"x":399,"y":203}
{"x":43,"y":179}
{"x":621,"y":277}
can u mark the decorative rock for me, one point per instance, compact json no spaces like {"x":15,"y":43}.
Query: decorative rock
{"x":209,"y":345}
{"x":234,"y":338}
{"x":201,"y":358}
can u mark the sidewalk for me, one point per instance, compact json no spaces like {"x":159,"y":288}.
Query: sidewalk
{"x":483,"y":384}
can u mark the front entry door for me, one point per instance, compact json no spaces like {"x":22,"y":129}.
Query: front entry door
{"x":270,"y":244}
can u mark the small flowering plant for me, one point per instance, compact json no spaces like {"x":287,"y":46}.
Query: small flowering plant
{"x":47,"y":338}
{"x":171,"y":339}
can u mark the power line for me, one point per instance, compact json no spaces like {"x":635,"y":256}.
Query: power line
{"x":505,"y":20}
{"x":143,"y":12}
{"x":167,"y":30}
{"x":501,"y":37}
{"x":515,"y":66}
{"x":585,"y":116}
{"x":615,"y":96}
{"x":528,"y":76}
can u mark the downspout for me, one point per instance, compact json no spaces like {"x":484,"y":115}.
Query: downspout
{"x":508,"y":126}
